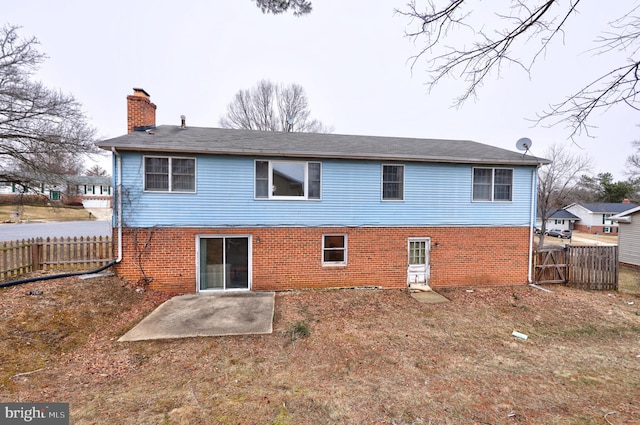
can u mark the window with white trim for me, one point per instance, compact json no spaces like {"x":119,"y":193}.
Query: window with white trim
{"x":169,"y":174}
{"x":287,"y":180}
{"x":492,"y":184}
{"x":392,"y":182}
{"x":334,"y":249}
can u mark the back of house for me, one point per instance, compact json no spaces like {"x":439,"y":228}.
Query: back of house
{"x":209,"y":209}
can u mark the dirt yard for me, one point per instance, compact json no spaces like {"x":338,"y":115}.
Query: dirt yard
{"x":335,"y":357}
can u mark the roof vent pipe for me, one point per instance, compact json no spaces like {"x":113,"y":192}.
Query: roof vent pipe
{"x":183,"y":121}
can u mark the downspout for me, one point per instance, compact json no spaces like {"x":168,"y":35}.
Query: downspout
{"x":532,"y":221}
{"x":118,"y":201}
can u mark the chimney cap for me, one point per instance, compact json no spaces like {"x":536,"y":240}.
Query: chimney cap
{"x":140,"y":92}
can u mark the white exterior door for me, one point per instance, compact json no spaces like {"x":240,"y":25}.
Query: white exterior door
{"x":418,"y":263}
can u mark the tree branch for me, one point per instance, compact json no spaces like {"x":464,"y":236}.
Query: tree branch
{"x":456,"y":45}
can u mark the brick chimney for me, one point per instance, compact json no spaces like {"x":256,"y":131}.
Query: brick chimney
{"x":141,"y":113}
{"x":626,"y":201}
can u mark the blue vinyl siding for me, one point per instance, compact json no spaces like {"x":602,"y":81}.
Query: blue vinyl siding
{"x":435,"y":195}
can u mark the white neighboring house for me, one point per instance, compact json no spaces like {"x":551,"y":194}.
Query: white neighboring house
{"x":559,"y":219}
{"x":91,"y":191}
{"x":595,"y":217}
{"x":95,"y":191}
{"x":14,"y":187}
{"x":628,"y":237}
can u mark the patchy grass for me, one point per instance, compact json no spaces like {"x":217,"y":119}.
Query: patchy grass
{"x":30,"y":213}
{"x":629,"y":281}
{"x":359,"y":357}
{"x":300,"y":329}
{"x":44,"y":321}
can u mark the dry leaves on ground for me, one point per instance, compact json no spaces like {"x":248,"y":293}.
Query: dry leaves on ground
{"x":335,"y":357}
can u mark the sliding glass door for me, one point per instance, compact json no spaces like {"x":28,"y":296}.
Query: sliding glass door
{"x":224,"y":263}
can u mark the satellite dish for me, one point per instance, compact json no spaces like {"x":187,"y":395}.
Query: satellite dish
{"x":524,"y":144}
{"x":289,"y":123}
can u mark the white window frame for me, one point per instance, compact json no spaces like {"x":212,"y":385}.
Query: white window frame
{"x":170,"y":183}
{"x":493,"y":184}
{"x":344,"y":249}
{"x":270,"y":184}
{"x":382,"y":183}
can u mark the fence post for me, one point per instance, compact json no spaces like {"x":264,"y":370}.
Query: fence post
{"x":35,"y":255}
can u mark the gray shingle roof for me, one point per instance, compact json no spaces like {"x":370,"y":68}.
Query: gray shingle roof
{"x":91,"y":180}
{"x":626,"y":213}
{"x":608,"y":207}
{"x":203,"y":140}
{"x":560,"y":214}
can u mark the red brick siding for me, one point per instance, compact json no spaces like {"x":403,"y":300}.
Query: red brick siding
{"x":593,"y":229}
{"x":291,"y":258}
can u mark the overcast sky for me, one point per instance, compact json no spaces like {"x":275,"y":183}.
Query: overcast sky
{"x":351,"y":57}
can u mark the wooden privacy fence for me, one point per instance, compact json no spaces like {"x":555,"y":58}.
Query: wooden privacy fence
{"x":586,"y":267}
{"x":54,"y":254}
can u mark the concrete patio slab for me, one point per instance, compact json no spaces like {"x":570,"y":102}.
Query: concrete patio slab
{"x":219,"y":314}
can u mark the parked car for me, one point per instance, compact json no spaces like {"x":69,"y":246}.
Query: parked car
{"x":559,"y":233}
{"x":537,"y":230}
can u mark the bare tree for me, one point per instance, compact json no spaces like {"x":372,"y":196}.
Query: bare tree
{"x":276,"y":7}
{"x":633,"y":161}
{"x":41,"y":130}
{"x":271,"y":107}
{"x":97,"y":170}
{"x":294,"y":113}
{"x":557,"y":180}
{"x":457,"y":43}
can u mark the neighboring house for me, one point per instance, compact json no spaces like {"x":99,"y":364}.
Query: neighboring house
{"x":559,"y":219}
{"x":90,"y":191}
{"x":12,"y":185}
{"x":628,"y":237}
{"x":594,"y":217}
{"x":94,"y":191}
{"x":207,"y":209}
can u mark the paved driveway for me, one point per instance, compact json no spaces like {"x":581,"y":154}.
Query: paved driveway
{"x":13,"y":232}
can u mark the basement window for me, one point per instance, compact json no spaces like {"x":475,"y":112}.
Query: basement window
{"x":334,"y":249}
